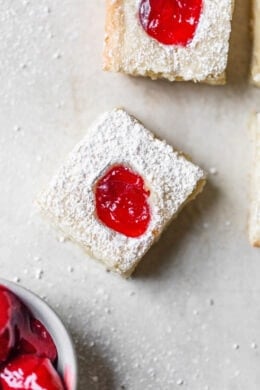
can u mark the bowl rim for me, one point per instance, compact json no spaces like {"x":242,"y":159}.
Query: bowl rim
{"x":55,"y":318}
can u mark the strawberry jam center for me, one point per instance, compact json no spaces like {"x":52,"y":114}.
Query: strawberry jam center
{"x":171,"y":22}
{"x":121,"y":201}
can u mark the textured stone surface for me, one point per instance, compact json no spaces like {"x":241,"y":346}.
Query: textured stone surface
{"x":190,"y":316}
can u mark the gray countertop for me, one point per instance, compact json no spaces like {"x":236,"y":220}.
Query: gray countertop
{"x":190,"y":316}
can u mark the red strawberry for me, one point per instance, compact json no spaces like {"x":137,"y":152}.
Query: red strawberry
{"x":10,"y":316}
{"x":31,"y":373}
{"x":34,"y":338}
{"x":19,"y":330}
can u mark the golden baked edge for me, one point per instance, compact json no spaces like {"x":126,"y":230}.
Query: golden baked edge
{"x":114,"y":28}
{"x":255,"y":63}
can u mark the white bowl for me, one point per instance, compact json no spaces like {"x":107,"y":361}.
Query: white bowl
{"x":67,"y":361}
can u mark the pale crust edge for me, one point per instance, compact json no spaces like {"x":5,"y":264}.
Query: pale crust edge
{"x":111,"y":53}
{"x":252,"y":229}
{"x":114,"y":22}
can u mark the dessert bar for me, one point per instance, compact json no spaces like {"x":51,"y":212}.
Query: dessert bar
{"x":172,"y":39}
{"x":118,"y":190}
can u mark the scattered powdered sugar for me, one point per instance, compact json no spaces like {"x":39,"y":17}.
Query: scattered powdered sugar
{"x":133,"y":51}
{"x":39,"y":273}
{"x":228,"y":223}
{"x":62,"y":239}
{"x":118,"y":138}
{"x":213,"y":171}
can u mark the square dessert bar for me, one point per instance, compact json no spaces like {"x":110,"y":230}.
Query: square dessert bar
{"x":255,"y":67}
{"x":118,"y":190}
{"x":173,"y":39}
{"x":254,"y":221}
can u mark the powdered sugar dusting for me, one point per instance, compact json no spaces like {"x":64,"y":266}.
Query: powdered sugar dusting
{"x":118,"y":138}
{"x":204,"y":58}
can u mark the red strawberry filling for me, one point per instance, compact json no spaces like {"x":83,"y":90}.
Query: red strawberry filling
{"x":34,"y":338}
{"x":171,"y":22}
{"x":121,"y":201}
{"x":11,"y":314}
{"x":24,"y":341}
{"x":30,"y":372}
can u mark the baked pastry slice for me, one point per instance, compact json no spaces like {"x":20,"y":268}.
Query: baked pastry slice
{"x":255,"y":67}
{"x":118,"y":190}
{"x":254,"y":221}
{"x":171,"y":39}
